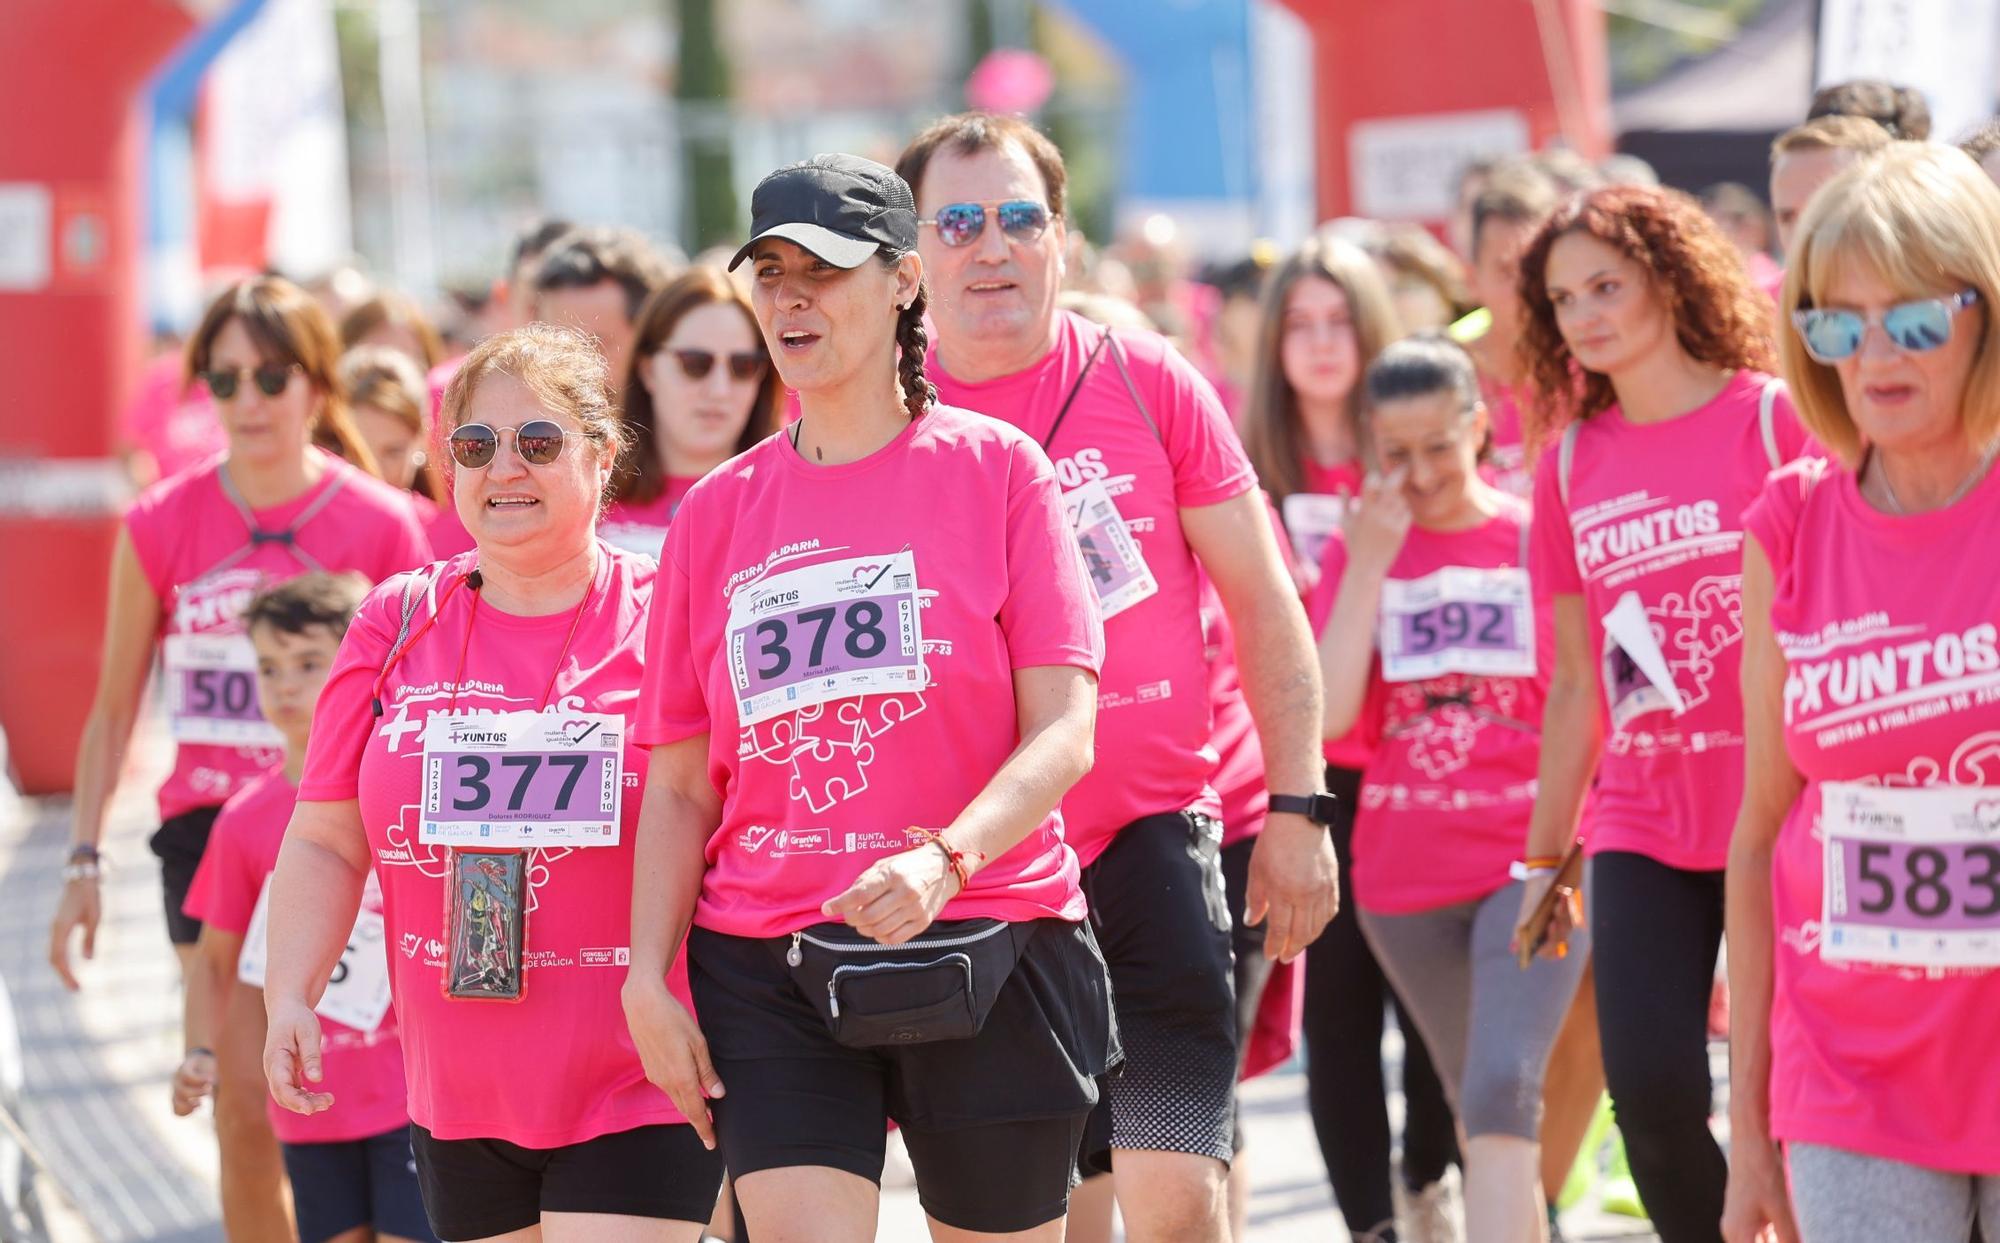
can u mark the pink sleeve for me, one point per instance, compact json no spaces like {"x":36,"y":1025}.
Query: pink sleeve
{"x":235,"y":879}
{"x":1794,"y":441}
{"x":1332,"y":564}
{"x":1050,"y":616}
{"x":1208,"y":460}
{"x":1773,"y":518}
{"x":672,"y":704}
{"x":1551,"y":544}
{"x":143,"y":522}
{"x":200,"y":899}
{"x":345,"y":714}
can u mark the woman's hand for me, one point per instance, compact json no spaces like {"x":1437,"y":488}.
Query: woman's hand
{"x":1564,"y":916}
{"x":1378,"y":522}
{"x":291,"y":1056}
{"x":1757,"y":1208}
{"x":80,"y":907}
{"x":673,"y":1051}
{"x":897,"y":897}
{"x":194,"y":1081}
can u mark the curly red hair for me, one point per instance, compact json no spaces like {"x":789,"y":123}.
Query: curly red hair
{"x":1719,"y":317}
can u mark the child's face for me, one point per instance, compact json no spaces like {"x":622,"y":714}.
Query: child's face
{"x":291,"y":669}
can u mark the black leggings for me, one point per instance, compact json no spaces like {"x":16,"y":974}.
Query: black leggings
{"x":1655,"y":930}
{"x":1345,"y":997}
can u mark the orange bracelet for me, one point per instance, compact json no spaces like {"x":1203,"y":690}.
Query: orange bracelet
{"x":1542,"y":861}
{"x":952,"y":855}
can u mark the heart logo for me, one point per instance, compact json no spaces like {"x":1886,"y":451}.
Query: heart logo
{"x":577,"y":731}
{"x":865,"y":571}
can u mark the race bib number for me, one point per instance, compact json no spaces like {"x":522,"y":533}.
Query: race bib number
{"x":523,"y":779}
{"x":1637,"y":678}
{"x":357,"y":994}
{"x":1311,"y":518}
{"x":823,"y":632}
{"x":212,"y":691}
{"x":1117,"y":569}
{"x":1912,"y":875}
{"x":1457,"y":620}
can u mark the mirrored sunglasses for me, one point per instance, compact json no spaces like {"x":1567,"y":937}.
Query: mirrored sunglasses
{"x":960,"y":224}
{"x":1833,"y":334}
{"x":538,"y":441}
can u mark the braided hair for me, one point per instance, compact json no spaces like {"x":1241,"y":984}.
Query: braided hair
{"x":913,"y":341}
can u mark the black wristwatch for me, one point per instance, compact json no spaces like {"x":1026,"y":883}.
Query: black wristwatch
{"x":1317,"y":808}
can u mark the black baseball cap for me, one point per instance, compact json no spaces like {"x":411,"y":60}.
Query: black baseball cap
{"x":840,"y":207}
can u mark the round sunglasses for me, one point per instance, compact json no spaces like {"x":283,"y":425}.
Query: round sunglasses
{"x":1833,"y":334}
{"x":696,"y":364}
{"x":225,"y":382}
{"x":538,"y":441}
{"x":960,"y":224}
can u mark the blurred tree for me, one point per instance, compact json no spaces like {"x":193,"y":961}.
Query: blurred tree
{"x":1081,"y":119}
{"x":980,"y":38}
{"x":1647,"y":38}
{"x":703,"y":89}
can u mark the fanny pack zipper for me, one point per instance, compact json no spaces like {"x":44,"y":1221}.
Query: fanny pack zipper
{"x":833,"y":982}
{"x":795,"y":955}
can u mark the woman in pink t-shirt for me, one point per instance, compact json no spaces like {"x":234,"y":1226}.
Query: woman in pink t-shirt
{"x":1434,"y":645}
{"x":473,"y":748}
{"x":1864,"y":885}
{"x":1327,"y":315}
{"x":872,"y":676}
{"x":1648,"y":346}
{"x":698,"y":390}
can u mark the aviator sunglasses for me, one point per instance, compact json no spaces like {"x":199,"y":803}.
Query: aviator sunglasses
{"x":1834,"y":335}
{"x":960,"y":224}
{"x":696,"y":364}
{"x":270,"y":380}
{"x":538,"y":441}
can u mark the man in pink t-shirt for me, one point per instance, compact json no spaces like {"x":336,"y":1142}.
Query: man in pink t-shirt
{"x":1158,"y":489}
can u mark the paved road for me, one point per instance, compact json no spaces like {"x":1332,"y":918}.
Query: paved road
{"x":98,"y":1062}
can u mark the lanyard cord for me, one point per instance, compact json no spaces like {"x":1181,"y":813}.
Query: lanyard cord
{"x":1074,"y":389}
{"x":548,"y":692}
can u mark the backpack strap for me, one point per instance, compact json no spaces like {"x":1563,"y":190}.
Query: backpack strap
{"x":1125,"y":373}
{"x":421,"y":585}
{"x":1767,"y":419}
{"x":1565,"y":456}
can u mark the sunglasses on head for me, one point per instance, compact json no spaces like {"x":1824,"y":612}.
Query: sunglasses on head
{"x":1833,"y":334}
{"x":270,"y":379}
{"x":960,"y":224}
{"x":696,"y":364}
{"x":538,"y":441}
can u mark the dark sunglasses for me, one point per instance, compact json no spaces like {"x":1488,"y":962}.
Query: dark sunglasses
{"x":696,"y":364}
{"x":960,"y":224}
{"x":1833,"y":335}
{"x":538,"y":441}
{"x":270,"y":380}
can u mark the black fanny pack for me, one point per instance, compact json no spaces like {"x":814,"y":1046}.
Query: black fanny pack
{"x":939,"y":986}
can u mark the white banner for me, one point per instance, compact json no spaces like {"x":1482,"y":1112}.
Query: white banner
{"x":1944,"y":48}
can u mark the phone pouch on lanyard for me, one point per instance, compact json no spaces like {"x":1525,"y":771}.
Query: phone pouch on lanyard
{"x":940,"y":986}
{"x":486,"y":913}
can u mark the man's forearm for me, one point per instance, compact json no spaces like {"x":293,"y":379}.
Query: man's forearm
{"x":1279,"y":668}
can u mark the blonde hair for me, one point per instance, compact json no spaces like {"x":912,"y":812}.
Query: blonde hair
{"x":1272,"y":434}
{"x":1926,"y":220}
{"x":381,"y":378}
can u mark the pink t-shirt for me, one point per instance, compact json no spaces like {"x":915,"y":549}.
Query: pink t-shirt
{"x":557,"y":1067}
{"x":188,"y":538}
{"x":643,"y":527}
{"x":1450,"y":780}
{"x":1239,"y":779}
{"x":363,"y":1070}
{"x":958,"y":513}
{"x":1507,"y":456}
{"x":1654,"y":511}
{"x":1345,"y":481}
{"x":1178,"y":452}
{"x":1892,"y":664}
{"x":171,"y":419}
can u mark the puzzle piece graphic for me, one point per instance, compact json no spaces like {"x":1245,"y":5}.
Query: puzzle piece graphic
{"x":872,"y":715}
{"x":402,"y":835}
{"x":1693,"y":631}
{"x":774,"y":740}
{"x":825,"y":772}
{"x":1442,"y":743}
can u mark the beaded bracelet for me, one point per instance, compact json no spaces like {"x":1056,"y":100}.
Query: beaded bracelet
{"x":952,"y":855}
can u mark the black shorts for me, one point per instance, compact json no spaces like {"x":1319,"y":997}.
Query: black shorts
{"x":179,"y":842}
{"x":476,"y":1188}
{"x":1158,"y":902}
{"x":363,"y":1182}
{"x":992,"y":1123}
